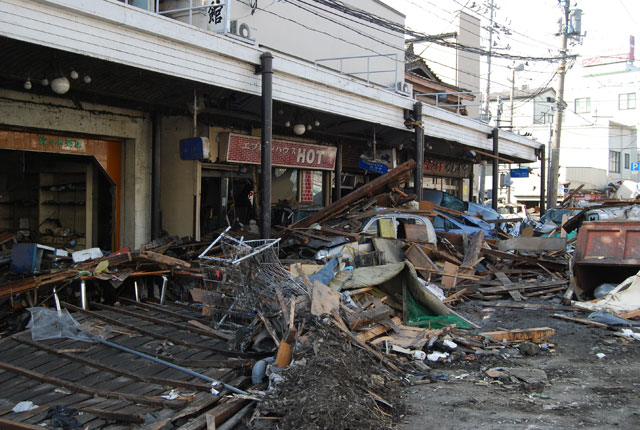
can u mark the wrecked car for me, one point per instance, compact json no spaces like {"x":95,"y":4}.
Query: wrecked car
{"x":391,"y":225}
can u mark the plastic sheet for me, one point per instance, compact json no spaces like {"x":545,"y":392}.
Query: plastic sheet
{"x":51,"y":324}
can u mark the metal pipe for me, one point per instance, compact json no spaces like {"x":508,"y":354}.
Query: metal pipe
{"x":419,"y":131}
{"x":135,"y":289}
{"x":155,"y":176}
{"x":494,"y":177}
{"x":337,"y":191}
{"x":171,"y":365}
{"x":266,"y":60}
{"x":163,"y":292}
{"x":83,"y":295}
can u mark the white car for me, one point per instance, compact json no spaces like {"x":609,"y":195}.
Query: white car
{"x":388,"y":225}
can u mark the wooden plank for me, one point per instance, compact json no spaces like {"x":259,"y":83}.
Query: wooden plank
{"x":506,"y":282}
{"x":415,"y":233}
{"x":551,"y":265}
{"x":6,"y":424}
{"x":153,"y":401}
{"x":324,"y":300}
{"x":471,"y":254}
{"x":137,"y":376}
{"x":416,"y":255}
{"x":165,"y":322}
{"x":533,"y":244}
{"x":152,"y":334}
{"x":163,"y":259}
{"x":525,"y":286}
{"x":538,"y":335}
{"x":373,"y":332}
{"x":391,"y":178}
{"x":376,"y":312}
{"x":580,"y":321}
{"x":449,"y":277}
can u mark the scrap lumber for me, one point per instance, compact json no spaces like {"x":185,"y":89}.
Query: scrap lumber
{"x":533,"y":244}
{"x":390,"y":179}
{"x":324,"y":300}
{"x":415,"y":233}
{"x":17,"y":425}
{"x":521,"y":287}
{"x":551,"y":265}
{"x":450,"y":275}
{"x":163,"y":259}
{"x":107,"y":394}
{"x":472,"y":253}
{"x":506,"y":284}
{"x":580,"y":321}
{"x":536,"y":335}
{"x":376,"y":312}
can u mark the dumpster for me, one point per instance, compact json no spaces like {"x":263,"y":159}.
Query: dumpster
{"x":606,"y":252}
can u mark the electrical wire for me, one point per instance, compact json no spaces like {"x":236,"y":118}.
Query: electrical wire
{"x":385,"y":23}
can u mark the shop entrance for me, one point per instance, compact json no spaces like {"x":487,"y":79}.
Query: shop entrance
{"x":59,"y":200}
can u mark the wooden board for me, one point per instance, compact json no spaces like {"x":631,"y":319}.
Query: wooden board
{"x":324,"y":300}
{"x":506,"y":282}
{"x":537,"y":335}
{"x":533,"y":244}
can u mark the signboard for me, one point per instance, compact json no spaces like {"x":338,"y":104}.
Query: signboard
{"x":217,"y":14}
{"x":635,"y":168}
{"x":372,"y":167}
{"x":519,"y":173}
{"x":246,"y":150}
{"x":450,"y":168}
{"x":194,"y":148}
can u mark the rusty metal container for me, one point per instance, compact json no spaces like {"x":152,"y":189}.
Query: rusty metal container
{"x":606,"y":251}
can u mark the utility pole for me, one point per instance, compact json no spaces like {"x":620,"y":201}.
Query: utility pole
{"x":552,"y":190}
{"x":488,"y":90}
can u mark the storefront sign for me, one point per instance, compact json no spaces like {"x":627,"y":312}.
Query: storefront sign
{"x":448,"y":168}
{"x":519,"y":173}
{"x":372,"y":167}
{"x":246,"y":149}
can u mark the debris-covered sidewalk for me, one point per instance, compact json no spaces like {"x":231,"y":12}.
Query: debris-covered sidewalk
{"x":370,"y":313}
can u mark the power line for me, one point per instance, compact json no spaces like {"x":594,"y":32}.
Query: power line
{"x":383,"y":22}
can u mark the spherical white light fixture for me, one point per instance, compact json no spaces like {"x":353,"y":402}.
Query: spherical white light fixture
{"x":74,"y":74}
{"x":44,"y":82}
{"x":60,"y":85}
{"x":287,"y":124}
{"x":299,"y":129}
{"x":87,"y":79}
{"x":27,"y":84}
{"x":317,"y":123}
{"x":309,"y":127}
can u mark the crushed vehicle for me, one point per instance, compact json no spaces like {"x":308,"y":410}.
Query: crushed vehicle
{"x":391,"y":225}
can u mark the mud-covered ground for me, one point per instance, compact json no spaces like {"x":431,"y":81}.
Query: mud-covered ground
{"x":581,"y":390}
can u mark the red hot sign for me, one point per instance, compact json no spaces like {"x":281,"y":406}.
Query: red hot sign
{"x":246,"y":149}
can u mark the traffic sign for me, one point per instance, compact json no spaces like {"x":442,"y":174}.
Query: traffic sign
{"x":635,"y":167}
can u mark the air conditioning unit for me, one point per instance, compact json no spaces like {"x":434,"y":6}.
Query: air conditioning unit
{"x":404,"y":88}
{"x":243,"y":31}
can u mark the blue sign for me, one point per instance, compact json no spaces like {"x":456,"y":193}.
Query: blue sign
{"x":194,"y":148}
{"x":372,"y":167}
{"x":635,"y":167}
{"x":519,"y":173}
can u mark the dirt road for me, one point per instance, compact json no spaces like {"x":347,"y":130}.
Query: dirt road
{"x":581,"y":390}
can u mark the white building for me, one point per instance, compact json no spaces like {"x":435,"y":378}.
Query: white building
{"x":99,"y":94}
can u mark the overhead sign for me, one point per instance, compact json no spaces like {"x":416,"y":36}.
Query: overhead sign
{"x":246,"y":150}
{"x":519,"y":173}
{"x":447,"y":168}
{"x":372,"y":167}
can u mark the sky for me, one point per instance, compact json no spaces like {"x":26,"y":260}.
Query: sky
{"x":532,"y":25}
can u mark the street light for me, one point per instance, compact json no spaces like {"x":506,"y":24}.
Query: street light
{"x":514,"y":69}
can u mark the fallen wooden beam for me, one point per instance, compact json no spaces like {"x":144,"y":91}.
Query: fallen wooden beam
{"x":537,"y":335}
{"x":134,"y":398}
{"x":580,"y":321}
{"x":391,"y":178}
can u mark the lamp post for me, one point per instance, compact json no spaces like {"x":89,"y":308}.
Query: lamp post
{"x":514,"y":69}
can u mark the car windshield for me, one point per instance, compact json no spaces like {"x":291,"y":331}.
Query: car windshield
{"x":452,"y":202}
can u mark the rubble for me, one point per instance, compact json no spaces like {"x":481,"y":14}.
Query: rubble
{"x":330,"y":342}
